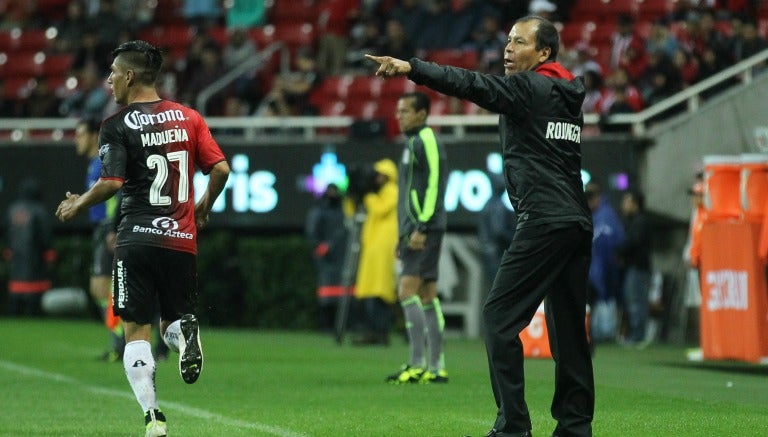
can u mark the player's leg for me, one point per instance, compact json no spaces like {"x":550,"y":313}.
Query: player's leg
{"x":134,"y":301}
{"x":415,"y":324}
{"x":433,"y":313}
{"x":178,"y":323}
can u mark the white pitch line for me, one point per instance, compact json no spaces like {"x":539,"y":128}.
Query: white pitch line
{"x":181,"y":408}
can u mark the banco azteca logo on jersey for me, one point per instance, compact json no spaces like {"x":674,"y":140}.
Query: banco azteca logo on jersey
{"x":165,"y":223}
{"x":165,"y":227}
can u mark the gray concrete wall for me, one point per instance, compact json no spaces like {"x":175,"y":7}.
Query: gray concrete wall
{"x":730,"y":123}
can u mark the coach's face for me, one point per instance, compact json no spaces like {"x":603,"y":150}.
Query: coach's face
{"x":520,"y":54}
{"x":118,"y":80}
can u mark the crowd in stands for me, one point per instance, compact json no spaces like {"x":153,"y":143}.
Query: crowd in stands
{"x":631,"y":56}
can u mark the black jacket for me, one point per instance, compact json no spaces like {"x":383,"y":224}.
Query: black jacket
{"x":540,"y":130}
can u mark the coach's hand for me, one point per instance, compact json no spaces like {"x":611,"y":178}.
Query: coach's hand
{"x":389,"y":66}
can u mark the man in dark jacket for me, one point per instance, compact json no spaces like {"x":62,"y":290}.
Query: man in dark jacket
{"x":327,"y":236}
{"x":540,"y":123}
{"x":30,"y":251}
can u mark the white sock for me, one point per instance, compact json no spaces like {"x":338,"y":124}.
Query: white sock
{"x":171,"y":336}
{"x":139,"y":367}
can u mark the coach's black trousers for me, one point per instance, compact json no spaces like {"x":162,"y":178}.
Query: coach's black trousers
{"x":551,"y":264}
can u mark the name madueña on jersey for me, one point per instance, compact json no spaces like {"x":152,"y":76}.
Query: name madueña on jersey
{"x":164,"y":137}
{"x":563,"y":131}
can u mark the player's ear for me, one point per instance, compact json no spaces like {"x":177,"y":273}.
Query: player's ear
{"x":130,"y":75}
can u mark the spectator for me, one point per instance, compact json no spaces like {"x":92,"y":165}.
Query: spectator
{"x":687,"y":66}
{"x":489,"y":40}
{"x":593,"y":88}
{"x":635,"y":257}
{"x":585,"y":60}
{"x":291,"y":91}
{"x":496,"y":227}
{"x":412,"y":14}
{"x":364,"y":37}
{"x":661,"y":39}
{"x":437,"y":31}
{"x":748,"y":42}
{"x":108,"y":34}
{"x":660,"y":80}
{"x":395,"y":40}
{"x":201,"y":14}
{"x":89,"y":99}
{"x":327,"y":237}
{"x":42,"y":101}
{"x":238,"y":49}
{"x":334,"y":22}
{"x":70,"y":29}
{"x":137,"y":14}
{"x":246,"y":14}
{"x":604,"y":270}
{"x":631,"y":99}
{"x":209,"y":71}
{"x":30,"y":251}
{"x":9,"y":106}
{"x":627,"y":48}
{"x":543,"y":8}
{"x":375,"y":286}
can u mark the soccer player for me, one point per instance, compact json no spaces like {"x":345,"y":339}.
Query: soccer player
{"x":540,"y":122}
{"x":101,"y":217}
{"x":150,"y":149}
{"x":421,"y":225}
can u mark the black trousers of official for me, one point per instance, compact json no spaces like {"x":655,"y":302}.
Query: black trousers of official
{"x":551,"y":264}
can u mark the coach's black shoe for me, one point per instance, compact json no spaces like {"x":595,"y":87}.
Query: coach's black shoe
{"x":190,"y":350}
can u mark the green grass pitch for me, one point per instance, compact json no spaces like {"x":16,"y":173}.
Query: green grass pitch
{"x":260,"y":383}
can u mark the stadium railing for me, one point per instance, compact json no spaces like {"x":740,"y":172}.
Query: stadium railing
{"x":290,"y":129}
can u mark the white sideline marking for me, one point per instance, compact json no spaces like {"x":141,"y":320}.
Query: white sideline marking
{"x":181,"y":408}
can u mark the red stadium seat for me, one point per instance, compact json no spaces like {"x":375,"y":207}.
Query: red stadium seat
{"x":365,"y":87}
{"x":24,"y":40}
{"x":361,"y":109}
{"x":336,"y":87}
{"x":292,"y":11}
{"x":169,"y":37}
{"x":653,"y":9}
{"x":457,"y":58}
{"x":59,"y":64}
{"x":296,"y":34}
{"x":23,"y":64}
{"x":331,"y":108}
{"x":396,"y":86}
{"x":576,"y":31}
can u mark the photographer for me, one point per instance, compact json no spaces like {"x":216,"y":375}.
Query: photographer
{"x":375,"y":287}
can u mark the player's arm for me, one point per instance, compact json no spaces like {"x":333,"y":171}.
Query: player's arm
{"x":73,"y":204}
{"x":216,"y":182}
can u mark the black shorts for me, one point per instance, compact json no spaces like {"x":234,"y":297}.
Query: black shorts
{"x":146,"y":276}
{"x":102,"y":256}
{"x":421,"y":263}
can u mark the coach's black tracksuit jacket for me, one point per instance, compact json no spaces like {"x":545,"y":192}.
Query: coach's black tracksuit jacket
{"x":540,"y":127}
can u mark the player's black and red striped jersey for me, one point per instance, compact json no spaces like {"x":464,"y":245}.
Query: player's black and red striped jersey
{"x":154,"y":148}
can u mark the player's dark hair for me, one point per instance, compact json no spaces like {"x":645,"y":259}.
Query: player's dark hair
{"x":420,"y":100}
{"x":92,"y":124}
{"x":546,"y":35}
{"x":141,"y":57}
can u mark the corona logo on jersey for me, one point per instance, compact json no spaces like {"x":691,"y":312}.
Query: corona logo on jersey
{"x":136,"y":120}
{"x":163,"y":226}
